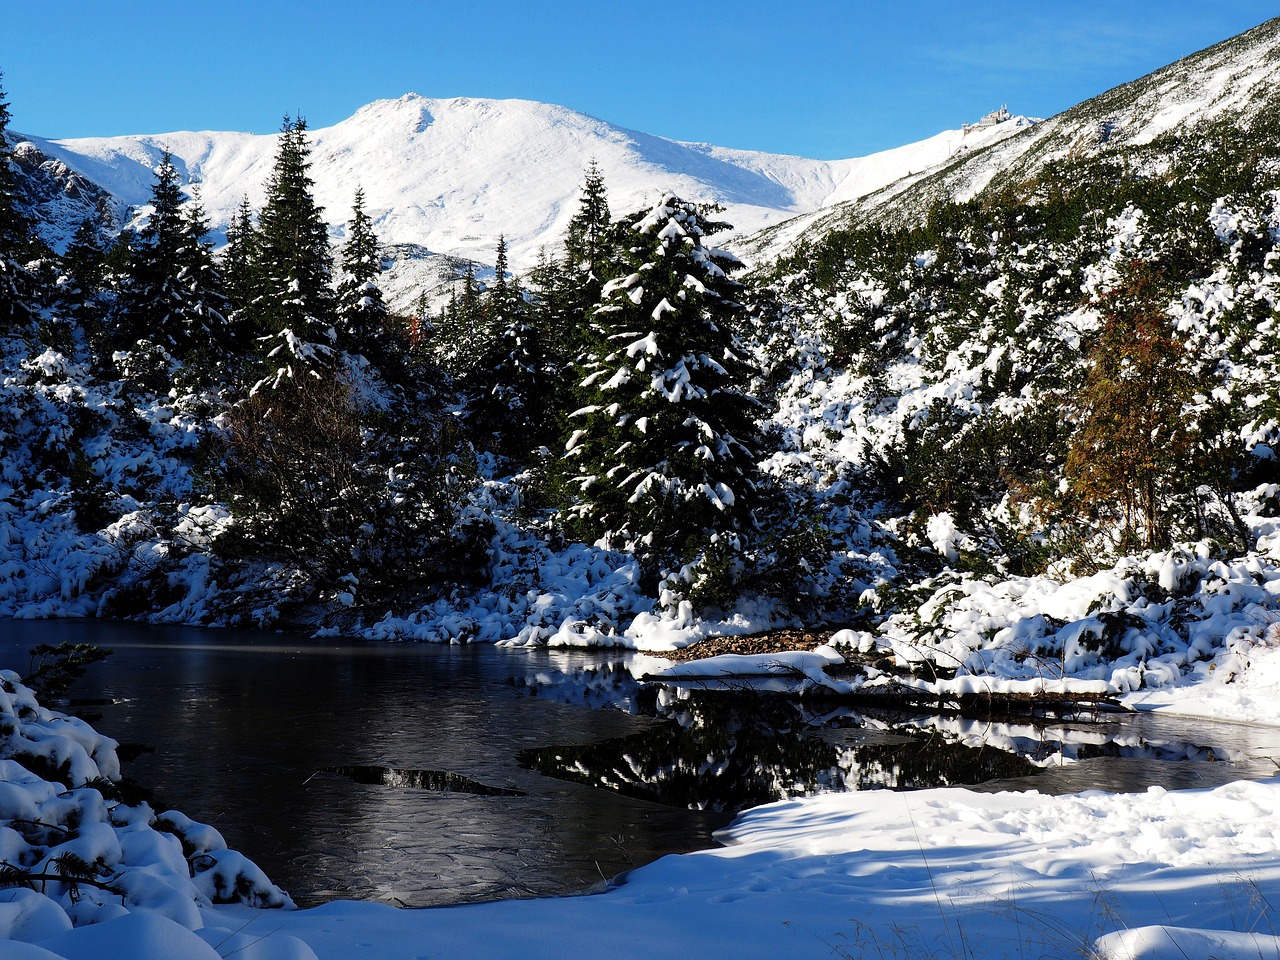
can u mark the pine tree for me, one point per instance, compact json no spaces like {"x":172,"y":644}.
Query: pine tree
{"x":665,"y":445}
{"x":567,"y":288}
{"x":147,"y":294}
{"x":591,"y":255}
{"x":500,"y":292}
{"x":586,"y":244}
{"x":470,"y":315}
{"x":18,"y":288}
{"x":171,"y":296}
{"x":462,"y":336}
{"x":513,"y":382}
{"x":240,"y":275}
{"x":362,"y":313}
{"x":81,"y":286}
{"x":206,"y":318}
{"x":293,"y":311}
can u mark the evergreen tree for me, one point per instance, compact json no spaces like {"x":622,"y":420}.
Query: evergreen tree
{"x":293,"y":312}
{"x":362,"y":314}
{"x":501,"y":291}
{"x":241,"y":280}
{"x":587,"y":245}
{"x":81,"y":288}
{"x":18,"y":288}
{"x":85,"y":262}
{"x":512,"y":382}
{"x":470,"y":314}
{"x":462,"y":336}
{"x":206,"y":317}
{"x":171,"y":296}
{"x":567,"y":288}
{"x":665,"y":445}
{"x":590,"y":259}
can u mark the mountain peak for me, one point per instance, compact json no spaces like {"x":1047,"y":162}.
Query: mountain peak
{"x":453,"y":174}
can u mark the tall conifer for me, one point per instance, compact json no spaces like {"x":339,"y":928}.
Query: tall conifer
{"x":17,"y":286}
{"x":171,"y":296}
{"x":513,"y":382}
{"x":293,"y":311}
{"x":362,"y":313}
{"x":81,"y":287}
{"x":586,"y":245}
{"x":665,"y":444}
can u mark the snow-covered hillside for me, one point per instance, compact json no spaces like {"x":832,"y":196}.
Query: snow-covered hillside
{"x":1238,"y":77}
{"x":882,"y":172}
{"x":453,"y":175}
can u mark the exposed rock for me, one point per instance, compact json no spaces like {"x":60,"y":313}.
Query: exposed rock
{"x":58,"y":199}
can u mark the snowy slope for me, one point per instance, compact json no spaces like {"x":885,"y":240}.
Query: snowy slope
{"x":452,"y":175}
{"x":884,"y":171}
{"x":1238,"y":80}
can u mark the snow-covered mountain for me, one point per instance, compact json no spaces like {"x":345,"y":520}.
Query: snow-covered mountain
{"x":1237,"y":80}
{"x":452,"y":175}
{"x":449,"y":176}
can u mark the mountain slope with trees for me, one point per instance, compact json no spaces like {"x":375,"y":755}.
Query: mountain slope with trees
{"x":1234,"y":81}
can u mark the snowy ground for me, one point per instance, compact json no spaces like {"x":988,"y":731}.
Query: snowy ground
{"x":936,"y":873}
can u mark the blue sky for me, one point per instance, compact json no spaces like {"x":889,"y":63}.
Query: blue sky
{"x":819,"y":78}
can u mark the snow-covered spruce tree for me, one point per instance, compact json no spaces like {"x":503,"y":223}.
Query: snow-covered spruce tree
{"x":241,"y":277}
{"x":587,"y":246}
{"x":339,"y":489}
{"x":18,"y":288}
{"x":564,"y":289}
{"x":361,"y":312}
{"x":293,"y":310}
{"x":170,"y":303}
{"x":571,"y":287}
{"x":512,"y":384}
{"x":80,"y":294}
{"x":665,"y":444}
{"x":462,"y":335}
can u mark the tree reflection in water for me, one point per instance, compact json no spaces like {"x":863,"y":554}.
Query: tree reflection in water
{"x":726,"y":753}
{"x":726,"y":749}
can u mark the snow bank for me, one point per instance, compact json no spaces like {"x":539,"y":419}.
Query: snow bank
{"x":1205,"y":631}
{"x":945,"y":872}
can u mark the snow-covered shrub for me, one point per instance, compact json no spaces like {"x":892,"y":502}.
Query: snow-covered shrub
{"x":72,"y":852}
{"x":1145,"y":622}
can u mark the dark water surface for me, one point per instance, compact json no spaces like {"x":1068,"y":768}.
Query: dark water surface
{"x":244,"y":729}
{"x":423,"y":775}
